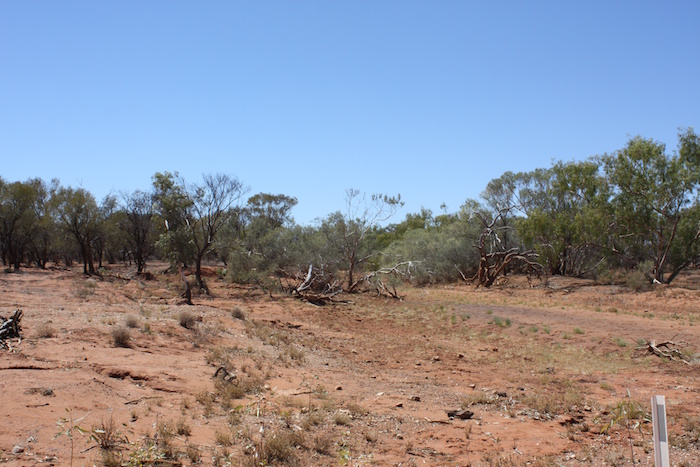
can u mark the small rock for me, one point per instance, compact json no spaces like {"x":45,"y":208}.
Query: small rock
{"x":459,"y":355}
{"x":18,"y":449}
{"x":415,"y":398}
{"x":339,"y":388}
{"x":399,"y":405}
{"x":472,"y":385}
{"x":461,"y":414}
{"x":502,"y":394}
{"x":417,"y":363}
{"x":436,"y":358}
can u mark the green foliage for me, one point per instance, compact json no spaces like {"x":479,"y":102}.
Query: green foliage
{"x":652,"y":197}
{"x":441,"y":253}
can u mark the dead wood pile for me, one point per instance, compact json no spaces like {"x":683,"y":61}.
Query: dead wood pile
{"x":10,"y":328}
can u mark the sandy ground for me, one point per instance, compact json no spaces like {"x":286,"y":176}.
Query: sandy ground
{"x":545,"y":372}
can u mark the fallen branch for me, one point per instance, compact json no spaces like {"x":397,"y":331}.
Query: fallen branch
{"x":10,"y":328}
{"x":667,"y":349}
{"x":316,"y":287}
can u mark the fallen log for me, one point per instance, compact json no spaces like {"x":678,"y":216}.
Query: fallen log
{"x":10,"y":328}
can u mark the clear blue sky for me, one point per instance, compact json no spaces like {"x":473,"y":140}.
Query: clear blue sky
{"x":428,"y":99}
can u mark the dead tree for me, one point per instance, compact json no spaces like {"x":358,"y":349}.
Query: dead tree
{"x":380,"y":280}
{"x":667,"y":349}
{"x":494,"y":257}
{"x":316,"y":287}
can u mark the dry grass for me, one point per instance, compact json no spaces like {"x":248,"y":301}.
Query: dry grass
{"x":132,"y":321}
{"x":45,"y":331}
{"x":121,"y":337}
{"x":238,"y":313}
{"x":187,"y":320}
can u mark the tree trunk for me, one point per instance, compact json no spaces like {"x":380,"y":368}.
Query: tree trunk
{"x":198,"y":273}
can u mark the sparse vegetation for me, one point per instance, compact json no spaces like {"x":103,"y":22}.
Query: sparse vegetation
{"x":121,"y":336}
{"x":187,"y":320}
{"x":132,"y":321}
{"x":45,"y":331}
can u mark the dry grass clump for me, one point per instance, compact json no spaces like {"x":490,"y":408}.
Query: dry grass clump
{"x":280,"y":448}
{"x":45,"y":331}
{"x":182,"y":427}
{"x":223,"y":437}
{"x":132,"y":321}
{"x":106,"y":435}
{"x":562,"y":397}
{"x":238,"y":313}
{"x":342,"y":419}
{"x":121,"y":337}
{"x":186,"y":320}
{"x":323,"y":443}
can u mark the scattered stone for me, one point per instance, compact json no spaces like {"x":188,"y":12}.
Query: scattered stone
{"x":415,"y":398}
{"x":472,"y":385}
{"x":399,"y":405}
{"x":18,"y":449}
{"x":459,"y":355}
{"x":502,"y":394}
{"x":436,"y":358}
{"x":339,"y":388}
{"x":461,"y":414}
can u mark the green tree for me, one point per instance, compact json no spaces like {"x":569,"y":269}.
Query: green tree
{"x":652,"y":193}
{"x":212,"y":205}
{"x":567,"y":210}
{"x":172,"y":206}
{"x":18,"y":219}
{"x":273,"y":210}
{"x":79,"y":215}
{"x":44,"y":238}
{"x":137,"y":226}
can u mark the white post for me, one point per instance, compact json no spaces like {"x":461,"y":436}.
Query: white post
{"x":658,"y":416}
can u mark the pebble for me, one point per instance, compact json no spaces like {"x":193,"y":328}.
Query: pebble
{"x":18,"y":449}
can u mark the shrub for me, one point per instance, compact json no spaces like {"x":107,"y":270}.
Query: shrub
{"x":45,"y":331}
{"x":238,"y":313}
{"x":187,"y":320}
{"x":132,"y":321}
{"x":637,"y":281}
{"x":121,"y":337}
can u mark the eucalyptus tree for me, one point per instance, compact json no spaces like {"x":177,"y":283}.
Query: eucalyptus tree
{"x":78,"y":215}
{"x":172,"y":205}
{"x":654,"y":194}
{"x":18,"y":219}
{"x":351,"y":234}
{"x":137,"y":226}
{"x":567,"y":215}
{"x":212,"y":204}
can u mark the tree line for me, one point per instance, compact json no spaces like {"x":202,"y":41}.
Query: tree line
{"x":634,"y":211}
